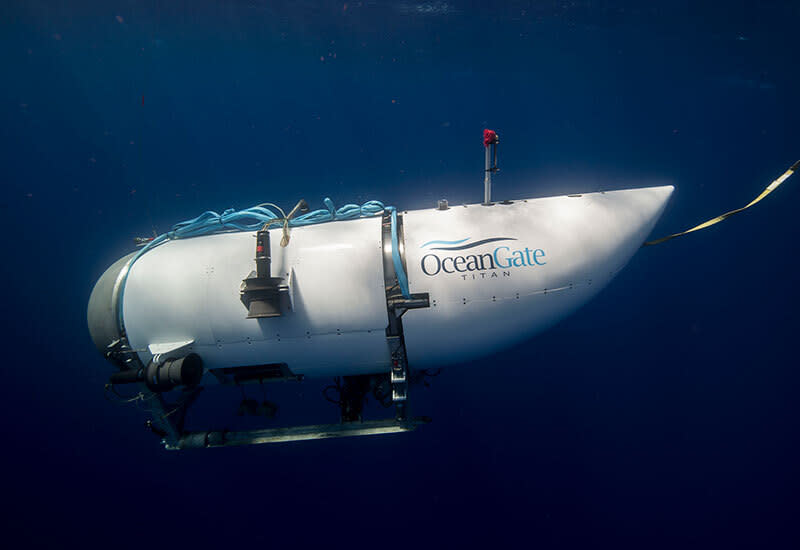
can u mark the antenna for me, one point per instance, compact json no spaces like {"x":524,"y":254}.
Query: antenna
{"x":490,"y":141}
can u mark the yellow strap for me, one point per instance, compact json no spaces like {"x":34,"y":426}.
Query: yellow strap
{"x":771,"y":187}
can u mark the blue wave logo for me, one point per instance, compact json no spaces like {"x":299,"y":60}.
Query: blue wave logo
{"x":454,"y":245}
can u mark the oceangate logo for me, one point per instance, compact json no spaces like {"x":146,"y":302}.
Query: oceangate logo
{"x":503,"y":258}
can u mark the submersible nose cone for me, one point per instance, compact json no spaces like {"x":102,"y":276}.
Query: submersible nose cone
{"x":102,"y":315}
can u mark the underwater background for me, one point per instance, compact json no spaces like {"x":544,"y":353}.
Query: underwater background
{"x":662,"y":414}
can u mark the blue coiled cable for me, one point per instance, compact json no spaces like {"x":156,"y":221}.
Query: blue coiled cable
{"x":256,"y":217}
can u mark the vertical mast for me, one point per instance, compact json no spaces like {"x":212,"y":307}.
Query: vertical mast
{"x":490,"y":141}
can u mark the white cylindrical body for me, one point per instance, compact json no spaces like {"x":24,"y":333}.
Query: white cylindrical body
{"x":508,"y":272}
{"x":334,"y":316}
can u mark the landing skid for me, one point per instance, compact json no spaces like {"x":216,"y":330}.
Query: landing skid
{"x":390,"y":389}
{"x":352,"y":392}
{"x":204,"y":440}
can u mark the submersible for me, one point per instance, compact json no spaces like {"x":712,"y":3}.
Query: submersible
{"x":368,"y":294}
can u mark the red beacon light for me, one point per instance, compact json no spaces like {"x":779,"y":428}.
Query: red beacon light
{"x":490,"y":138}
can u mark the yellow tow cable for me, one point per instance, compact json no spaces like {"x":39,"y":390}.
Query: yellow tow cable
{"x":771,"y":187}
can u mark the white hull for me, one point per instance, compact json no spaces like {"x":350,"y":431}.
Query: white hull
{"x":548,"y":256}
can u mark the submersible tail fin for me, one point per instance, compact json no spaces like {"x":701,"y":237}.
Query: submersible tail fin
{"x":771,"y":187}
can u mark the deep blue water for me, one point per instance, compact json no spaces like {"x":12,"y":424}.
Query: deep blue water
{"x":662,"y":414}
